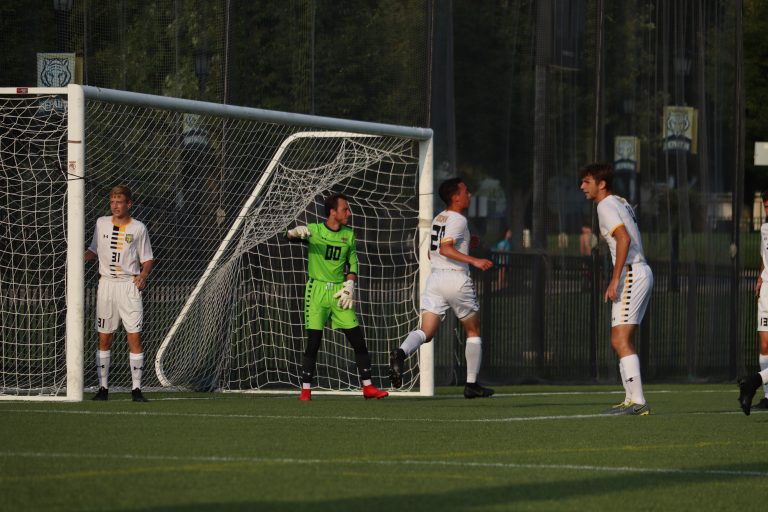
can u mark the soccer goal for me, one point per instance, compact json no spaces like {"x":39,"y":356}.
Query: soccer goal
{"x":217,"y":187}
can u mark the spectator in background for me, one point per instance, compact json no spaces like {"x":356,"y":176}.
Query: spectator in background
{"x":585,"y":240}
{"x":585,"y":250}
{"x":502,"y":257}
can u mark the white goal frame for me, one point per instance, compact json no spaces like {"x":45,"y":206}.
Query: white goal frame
{"x":77,"y":97}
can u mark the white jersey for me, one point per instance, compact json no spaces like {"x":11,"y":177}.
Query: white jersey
{"x":446,"y":227}
{"x":615,"y":211}
{"x":121,"y":249}
{"x":764,"y":251}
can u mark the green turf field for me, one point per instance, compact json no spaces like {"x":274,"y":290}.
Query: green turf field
{"x":528,"y":448}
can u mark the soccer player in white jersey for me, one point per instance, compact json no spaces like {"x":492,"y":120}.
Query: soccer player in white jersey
{"x":749,"y":384}
{"x":121,"y":244}
{"x":448,"y":286}
{"x":629,"y":289}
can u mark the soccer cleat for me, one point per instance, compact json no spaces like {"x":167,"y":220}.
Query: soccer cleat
{"x":372,"y":392}
{"x":617,"y":409}
{"x":762,"y":404}
{"x":636,"y":410}
{"x":475,"y":390}
{"x":102,"y":395}
{"x":396,"y":367}
{"x":306,"y":395}
{"x":748,"y":385}
{"x":136,"y":396}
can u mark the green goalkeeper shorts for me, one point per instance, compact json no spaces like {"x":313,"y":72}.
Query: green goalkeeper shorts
{"x":319,"y":304}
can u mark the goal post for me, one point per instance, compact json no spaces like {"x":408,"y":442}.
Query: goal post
{"x":217,"y":186}
{"x":75,"y":176}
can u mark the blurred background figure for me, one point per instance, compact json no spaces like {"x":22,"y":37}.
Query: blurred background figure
{"x":501,"y":256}
{"x":585,"y":240}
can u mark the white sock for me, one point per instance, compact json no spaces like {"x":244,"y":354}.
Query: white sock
{"x":306,"y":385}
{"x":764,"y":375}
{"x":627,"y":394}
{"x":474,"y":355}
{"x":102,"y":367}
{"x":764,"y":366}
{"x":413,"y":341}
{"x":137,"y":366}
{"x":632,"y":378}
{"x":367,"y":382}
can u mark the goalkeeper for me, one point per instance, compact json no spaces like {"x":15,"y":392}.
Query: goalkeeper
{"x":332,"y":268}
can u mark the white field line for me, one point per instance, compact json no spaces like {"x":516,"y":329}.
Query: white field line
{"x":293,"y":393}
{"x":406,"y":462}
{"x":509,"y":419}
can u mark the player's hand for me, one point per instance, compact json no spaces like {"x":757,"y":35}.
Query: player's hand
{"x":611,"y":292}
{"x":482,"y":263}
{"x":140,"y":282}
{"x":301,"y":232}
{"x":345,"y":294}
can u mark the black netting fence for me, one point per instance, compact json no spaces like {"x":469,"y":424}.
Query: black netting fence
{"x":520,"y":93}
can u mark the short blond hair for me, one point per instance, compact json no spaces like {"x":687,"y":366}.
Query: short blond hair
{"x":122,"y":190}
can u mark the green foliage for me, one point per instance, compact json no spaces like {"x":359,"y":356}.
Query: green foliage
{"x":494,"y":88}
{"x":333,"y":58}
{"x":756,"y":86}
{"x":25,"y":30}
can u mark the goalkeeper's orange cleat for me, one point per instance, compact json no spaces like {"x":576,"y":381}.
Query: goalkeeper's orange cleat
{"x":373,"y":392}
{"x":306,"y":395}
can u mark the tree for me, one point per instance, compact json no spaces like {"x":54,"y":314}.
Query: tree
{"x":756,"y":87}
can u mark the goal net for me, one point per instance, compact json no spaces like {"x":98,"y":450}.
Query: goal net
{"x":217,"y":187}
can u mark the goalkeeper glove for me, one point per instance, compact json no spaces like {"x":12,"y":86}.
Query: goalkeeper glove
{"x":301,"y":232}
{"x":345,"y":294}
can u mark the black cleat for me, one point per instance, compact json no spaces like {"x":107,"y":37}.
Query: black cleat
{"x":396,"y":367}
{"x":102,"y":395}
{"x":137,"y":396}
{"x":762,"y":404}
{"x":748,"y":385}
{"x":475,"y":390}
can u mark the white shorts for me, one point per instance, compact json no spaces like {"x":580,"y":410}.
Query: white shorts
{"x":115,"y":301}
{"x":762,"y":309}
{"x":634,"y":293}
{"x":449,"y":288}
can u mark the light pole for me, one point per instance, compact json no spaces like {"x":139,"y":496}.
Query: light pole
{"x":63,"y":8}
{"x":202,"y":69}
{"x":682,"y":68}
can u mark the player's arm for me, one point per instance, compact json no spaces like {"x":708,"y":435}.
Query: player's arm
{"x":146,"y":259}
{"x":621,"y":235}
{"x":448,"y":250}
{"x":347,"y":292}
{"x":298,"y":233}
{"x":759,"y":282}
{"x":90,"y":252}
{"x":141,"y":280}
{"x":353,"y":262}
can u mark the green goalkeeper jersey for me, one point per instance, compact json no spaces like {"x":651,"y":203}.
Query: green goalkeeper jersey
{"x":330,"y":252}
